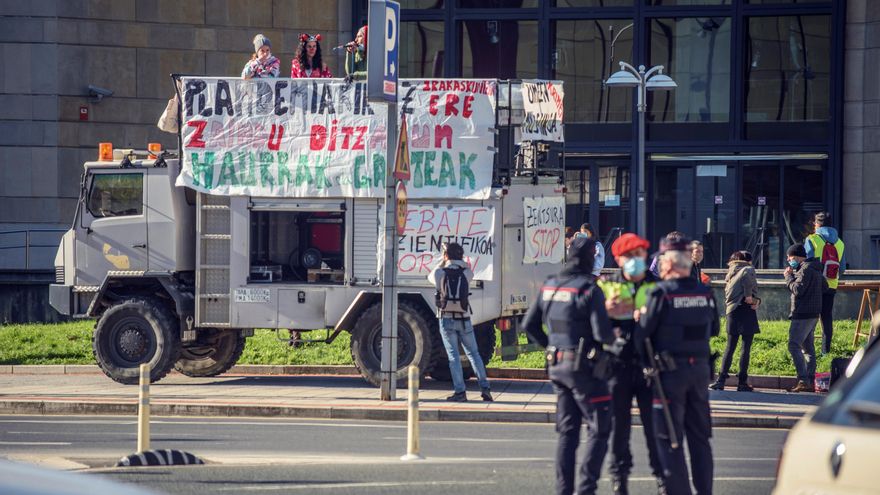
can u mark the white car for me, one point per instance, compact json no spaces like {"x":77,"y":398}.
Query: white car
{"x":835,"y":450}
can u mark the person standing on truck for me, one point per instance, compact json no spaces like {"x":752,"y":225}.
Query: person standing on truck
{"x":262,"y":62}
{"x":625,"y":291}
{"x":825,"y":244}
{"x":572,"y":308}
{"x":307,"y":62}
{"x":452,"y":278}
{"x":676,"y":324}
{"x":356,"y":56}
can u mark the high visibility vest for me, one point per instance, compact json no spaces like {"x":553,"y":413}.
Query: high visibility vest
{"x":818,"y":246}
{"x":627,"y":290}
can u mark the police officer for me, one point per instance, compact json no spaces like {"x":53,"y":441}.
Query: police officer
{"x":678,"y":320}
{"x":625,"y":291}
{"x":573,"y":309}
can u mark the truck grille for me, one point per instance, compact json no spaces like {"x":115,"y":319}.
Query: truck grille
{"x":59,"y":274}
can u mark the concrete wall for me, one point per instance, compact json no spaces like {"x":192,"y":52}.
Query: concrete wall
{"x":51,"y":50}
{"x":861,"y":133}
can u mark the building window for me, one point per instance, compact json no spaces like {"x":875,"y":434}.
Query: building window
{"x":499,"y":49}
{"x":577,"y":197}
{"x":788,"y":71}
{"x":497,"y":4}
{"x":587,"y":52}
{"x":696,"y":53}
{"x":614,"y":188}
{"x":421,"y":4}
{"x":422,"y":53}
{"x":594,"y":3}
{"x":116,"y":195}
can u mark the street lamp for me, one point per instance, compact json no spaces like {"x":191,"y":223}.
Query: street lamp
{"x":651,"y":80}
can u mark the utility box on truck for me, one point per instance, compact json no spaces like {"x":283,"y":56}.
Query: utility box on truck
{"x":270,"y":216}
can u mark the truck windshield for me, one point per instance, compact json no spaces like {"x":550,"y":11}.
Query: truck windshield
{"x":114,"y":195}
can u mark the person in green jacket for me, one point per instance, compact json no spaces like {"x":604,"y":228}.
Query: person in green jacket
{"x":356,"y":57}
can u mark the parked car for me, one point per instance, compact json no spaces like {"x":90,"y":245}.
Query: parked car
{"x":835,"y":450}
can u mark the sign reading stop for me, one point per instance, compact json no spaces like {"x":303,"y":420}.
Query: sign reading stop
{"x":401,"y":207}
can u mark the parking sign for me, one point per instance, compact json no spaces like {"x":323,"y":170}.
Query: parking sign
{"x":382,"y":50}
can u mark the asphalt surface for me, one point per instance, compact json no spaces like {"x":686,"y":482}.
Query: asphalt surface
{"x":349,"y":457}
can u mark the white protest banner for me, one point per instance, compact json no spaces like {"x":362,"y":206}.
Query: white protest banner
{"x":542,"y":102}
{"x":544,"y":220}
{"x":451,"y":137}
{"x":428,"y":226}
{"x":320,"y":138}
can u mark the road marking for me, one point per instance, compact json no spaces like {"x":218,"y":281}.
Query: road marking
{"x":718,"y":478}
{"x":35,"y":443}
{"x":477,"y":440}
{"x":52,"y":462}
{"x":374,"y":484}
{"x":173,"y":422}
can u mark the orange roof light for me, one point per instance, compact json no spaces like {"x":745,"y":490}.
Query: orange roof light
{"x":154,"y":149}
{"x":105,"y":152}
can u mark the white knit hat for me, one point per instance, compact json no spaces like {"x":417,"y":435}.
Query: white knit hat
{"x":260,"y":41}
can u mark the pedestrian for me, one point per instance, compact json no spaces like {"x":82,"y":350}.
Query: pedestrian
{"x":307,"y":62}
{"x":672,"y":236}
{"x":452,"y":278}
{"x":262,"y":62}
{"x":697,"y":256}
{"x":356,"y":56}
{"x":599,"y":256}
{"x":679,"y":319}
{"x":825,"y":244}
{"x":741,"y":304}
{"x":572,"y":308}
{"x":803,"y":277}
{"x":625,"y":291}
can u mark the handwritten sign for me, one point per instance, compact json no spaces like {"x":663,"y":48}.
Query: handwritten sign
{"x":542,"y":102}
{"x":544,"y":223}
{"x":310,"y":138}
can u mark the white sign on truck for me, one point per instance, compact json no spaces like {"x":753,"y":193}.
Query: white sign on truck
{"x":544,"y":220}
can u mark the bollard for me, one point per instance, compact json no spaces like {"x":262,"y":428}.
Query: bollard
{"x":143,"y":443}
{"x":412,"y":418}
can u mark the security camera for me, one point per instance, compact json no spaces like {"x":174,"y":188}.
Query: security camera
{"x":98,"y":93}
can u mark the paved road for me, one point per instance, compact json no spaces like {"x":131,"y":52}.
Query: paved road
{"x":343,"y":457}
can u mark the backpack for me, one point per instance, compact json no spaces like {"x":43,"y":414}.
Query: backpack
{"x":454,"y":291}
{"x":830,"y":261}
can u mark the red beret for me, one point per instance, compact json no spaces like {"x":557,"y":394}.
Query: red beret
{"x":628,"y":242}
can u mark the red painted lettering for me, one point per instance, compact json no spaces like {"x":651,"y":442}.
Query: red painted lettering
{"x":196,"y":140}
{"x":432,"y":104}
{"x":442,"y":132}
{"x":318,"y":138}
{"x":451,"y":101}
{"x":359,"y":140}
{"x":466,"y":111}
{"x":276,"y":145}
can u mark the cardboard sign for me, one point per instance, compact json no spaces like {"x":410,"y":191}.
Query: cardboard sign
{"x":544,"y":223}
{"x":307,"y":138}
{"x":542,"y":102}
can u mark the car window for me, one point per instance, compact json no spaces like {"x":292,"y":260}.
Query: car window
{"x":856,"y":402}
{"x":115,"y":195}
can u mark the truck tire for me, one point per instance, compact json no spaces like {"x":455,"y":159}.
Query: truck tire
{"x":414,"y":345}
{"x":213,"y":354}
{"x":485,"y":335}
{"x":139,"y":330}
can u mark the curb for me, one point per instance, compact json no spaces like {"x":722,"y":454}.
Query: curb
{"x":759,"y":381}
{"x":374,"y":414}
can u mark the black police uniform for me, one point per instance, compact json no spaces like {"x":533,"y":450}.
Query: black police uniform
{"x":680,"y":318}
{"x":629,"y":382}
{"x":573,"y":309}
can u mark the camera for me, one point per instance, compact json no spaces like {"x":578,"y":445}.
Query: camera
{"x":98,"y":93}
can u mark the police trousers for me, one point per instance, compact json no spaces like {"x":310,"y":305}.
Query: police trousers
{"x":628,"y":383}
{"x":579,"y":398}
{"x":688,"y":398}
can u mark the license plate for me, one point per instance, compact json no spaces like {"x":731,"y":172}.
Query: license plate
{"x":253,"y":295}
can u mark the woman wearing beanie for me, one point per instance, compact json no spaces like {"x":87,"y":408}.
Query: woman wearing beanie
{"x":804,"y":279}
{"x":307,"y":62}
{"x":741,"y":301}
{"x":262,"y":62}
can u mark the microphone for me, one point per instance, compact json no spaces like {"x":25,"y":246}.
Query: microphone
{"x":340,"y":48}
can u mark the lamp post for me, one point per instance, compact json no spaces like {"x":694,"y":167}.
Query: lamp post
{"x":651,"y":79}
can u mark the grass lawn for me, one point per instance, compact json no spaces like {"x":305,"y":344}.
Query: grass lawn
{"x":70,"y":343}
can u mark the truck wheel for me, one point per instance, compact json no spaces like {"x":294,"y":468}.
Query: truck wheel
{"x":414,"y":345}
{"x":213,"y":354}
{"x":134,"y":332}
{"x":485,"y":335}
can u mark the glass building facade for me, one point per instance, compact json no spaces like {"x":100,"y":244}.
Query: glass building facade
{"x":739,"y":155}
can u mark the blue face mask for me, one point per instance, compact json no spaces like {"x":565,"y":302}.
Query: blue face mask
{"x":634,"y":267}
{"x":793,"y":264}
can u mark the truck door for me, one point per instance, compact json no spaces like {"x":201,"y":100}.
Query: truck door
{"x":112,"y":231}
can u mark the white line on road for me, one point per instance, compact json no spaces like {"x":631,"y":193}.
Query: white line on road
{"x":212,"y":423}
{"x":374,"y":484}
{"x":476,"y":440}
{"x":718,"y":478}
{"x":35,"y":443}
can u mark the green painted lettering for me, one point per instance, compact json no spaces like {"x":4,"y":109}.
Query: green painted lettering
{"x":303,"y":175}
{"x":378,"y":170}
{"x":203,"y":171}
{"x":359,"y":162}
{"x":430,"y":156}
{"x":283,"y":172}
{"x":415,"y":159}
{"x":447,"y":170}
{"x":465,"y":171}
{"x":321,"y":174}
{"x":246,"y":169}
{"x":228,"y":177}
{"x":266,"y":161}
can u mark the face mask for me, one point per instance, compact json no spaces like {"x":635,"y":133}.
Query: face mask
{"x":793,"y":264}
{"x":634,"y":267}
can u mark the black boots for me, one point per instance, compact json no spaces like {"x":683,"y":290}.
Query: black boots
{"x":457,"y":397}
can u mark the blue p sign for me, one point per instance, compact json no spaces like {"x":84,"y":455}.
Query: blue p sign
{"x":390,"y":34}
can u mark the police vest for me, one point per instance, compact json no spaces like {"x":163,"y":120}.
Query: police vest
{"x":686,"y":324}
{"x":818,"y":243}
{"x":565,"y":305}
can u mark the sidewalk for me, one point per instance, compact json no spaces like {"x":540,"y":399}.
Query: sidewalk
{"x":84,"y":390}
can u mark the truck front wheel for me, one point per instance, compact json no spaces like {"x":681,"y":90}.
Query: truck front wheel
{"x":137,"y":331}
{"x":414,"y":344}
{"x":212,"y":354}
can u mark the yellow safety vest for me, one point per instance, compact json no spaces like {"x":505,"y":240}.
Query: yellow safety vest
{"x":624,"y":290}
{"x":818,"y":246}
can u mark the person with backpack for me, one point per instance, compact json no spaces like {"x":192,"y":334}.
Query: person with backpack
{"x":825,"y":244}
{"x":452,"y":278}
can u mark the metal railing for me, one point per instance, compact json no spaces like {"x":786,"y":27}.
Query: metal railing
{"x":29,"y":239}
